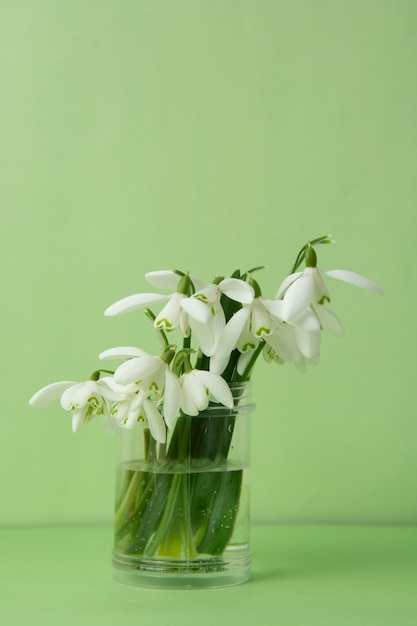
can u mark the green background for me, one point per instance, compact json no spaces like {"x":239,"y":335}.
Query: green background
{"x":141,"y":135}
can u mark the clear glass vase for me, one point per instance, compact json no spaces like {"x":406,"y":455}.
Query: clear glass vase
{"x":182,"y":508}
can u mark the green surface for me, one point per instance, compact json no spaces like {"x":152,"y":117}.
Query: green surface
{"x":302,"y":575}
{"x":206,"y":135}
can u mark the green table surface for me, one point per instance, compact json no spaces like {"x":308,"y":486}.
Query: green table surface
{"x":302,"y":575}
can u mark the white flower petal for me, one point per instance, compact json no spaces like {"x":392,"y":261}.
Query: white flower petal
{"x":231,"y":333}
{"x":308,"y":320}
{"x":132,"y":415}
{"x":218,"y":325}
{"x":243,"y":361}
{"x":217,"y":386}
{"x":137,"y":301}
{"x":155,"y":421}
{"x":190,"y":395}
{"x":172,"y":398}
{"x":199,"y":393}
{"x":261,"y":321}
{"x":120,"y":409}
{"x":122,"y":352}
{"x":218,"y":363}
{"x":247,"y":341}
{"x":330,"y":321}
{"x":237,"y":290}
{"x":167,"y":279}
{"x":78,"y":395}
{"x":51,"y":392}
{"x":283,"y":343}
{"x":354,"y":279}
{"x":78,"y":418}
{"x":308,"y":340}
{"x":274,"y":307}
{"x":184,"y":323}
{"x":169,"y":317}
{"x":211,"y":293}
{"x":320,"y":291}
{"x":196,"y":309}
{"x":205,"y":335}
{"x":137,"y":369}
{"x":111,"y":391}
{"x":297,"y":298}
{"x":155,"y":382}
{"x":286,"y":283}
{"x":163,"y":279}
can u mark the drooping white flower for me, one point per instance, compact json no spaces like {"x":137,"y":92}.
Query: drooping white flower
{"x":302,"y":289}
{"x":85,"y":400}
{"x":151,"y":374}
{"x":138,"y":405}
{"x":198,"y":387}
{"x":208,"y":333}
{"x":172,"y":316}
{"x":301,"y":340}
{"x":244,"y":331}
{"x":287,"y":350}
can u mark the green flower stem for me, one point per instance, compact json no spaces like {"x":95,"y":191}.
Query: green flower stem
{"x":186,"y":527}
{"x":151,"y":315}
{"x":223,"y":511}
{"x":126,"y":508}
{"x":301,"y":255}
{"x":149,"y":511}
{"x":153,"y":519}
{"x":173,"y":512}
{"x":169,"y":510}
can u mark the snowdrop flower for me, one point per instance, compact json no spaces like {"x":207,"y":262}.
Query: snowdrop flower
{"x":287,"y":351}
{"x":244,"y":331}
{"x":136,"y":406}
{"x":302,"y":289}
{"x":173,"y":315}
{"x":85,"y":400}
{"x":297,"y":343}
{"x":209,"y":333}
{"x":151,"y":374}
{"x":198,"y":386}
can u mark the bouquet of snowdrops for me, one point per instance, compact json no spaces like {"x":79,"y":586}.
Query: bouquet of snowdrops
{"x":220,"y":329}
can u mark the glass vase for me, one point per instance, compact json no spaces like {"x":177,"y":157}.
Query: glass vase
{"x":182,"y":508}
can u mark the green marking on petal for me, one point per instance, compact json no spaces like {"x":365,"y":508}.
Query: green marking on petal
{"x":203,"y":298}
{"x":323,"y":299}
{"x":263,"y":331}
{"x":164,"y":323}
{"x":248,"y":346}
